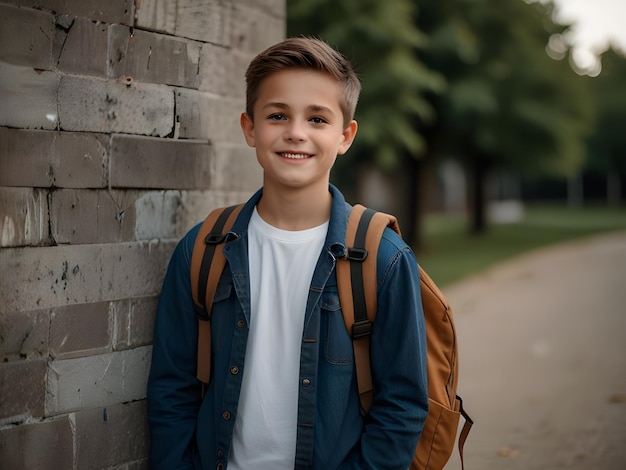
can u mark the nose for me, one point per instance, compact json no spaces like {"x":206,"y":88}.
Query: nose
{"x":295,"y":132}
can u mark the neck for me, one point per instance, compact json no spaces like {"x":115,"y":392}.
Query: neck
{"x":296,"y":209}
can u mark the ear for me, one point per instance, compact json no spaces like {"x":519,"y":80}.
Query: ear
{"x":348,"y":135}
{"x":247,"y":126}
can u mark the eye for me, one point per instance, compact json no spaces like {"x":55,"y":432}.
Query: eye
{"x":276,"y":117}
{"x":318,"y":120}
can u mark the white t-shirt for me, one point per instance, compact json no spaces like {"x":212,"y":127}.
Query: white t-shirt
{"x":281,"y":267}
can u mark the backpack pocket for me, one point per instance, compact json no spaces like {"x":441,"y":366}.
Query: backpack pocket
{"x":438,"y":436}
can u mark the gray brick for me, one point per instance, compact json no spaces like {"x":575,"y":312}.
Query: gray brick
{"x":156,"y":215}
{"x":24,"y":334}
{"x":48,"y":277}
{"x":85,"y":49}
{"x":157,"y":15}
{"x":79,"y":330}
{"x":87,"y":216}
{"x":26,"y":37}
{"x":21,"y":149}
{"x":79,"y":160}
{"x":224,"y":122}
{"x":93,"y":105}
{"x":203,"y":20}
{"x":154,"y":58}
{"x":255,"y":29}
{"x":142,"y":315}
{"x":62,"y":159}
{"x":48,"y":445}
{"x":203,"y":116}
{"x":142,"y":162}
{"x":22,"y":385}
{"x":276,"y":8}
{"x":79,"y":216}
{"x":112,"y":436}
{"x":236,"y":168}
{"x":222,"y":71}
{"x":273,"y":7}
{"x":134,"y":322}
{"x":118,"y":11}
{"x":193,"y":114}
{"x":96,"y":381}
{"x":29,"y":97}
{"x":23,"y":216}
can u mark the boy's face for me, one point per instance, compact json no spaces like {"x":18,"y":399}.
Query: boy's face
{"x":298,"y":128}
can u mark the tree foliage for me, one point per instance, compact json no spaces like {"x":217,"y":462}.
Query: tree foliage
{"x":507,"y":104}
{"x":511,"y":100}
{"x":607,"y":145}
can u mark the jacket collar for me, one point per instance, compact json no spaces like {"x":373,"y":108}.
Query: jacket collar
{"x":336,"y":236}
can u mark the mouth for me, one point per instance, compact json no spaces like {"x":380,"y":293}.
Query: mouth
{"x":294,"y":156}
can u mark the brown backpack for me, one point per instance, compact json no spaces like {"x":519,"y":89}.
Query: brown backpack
{"x":356,"y":279}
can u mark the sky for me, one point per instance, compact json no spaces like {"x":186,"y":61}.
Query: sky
{"x":596,"y":23}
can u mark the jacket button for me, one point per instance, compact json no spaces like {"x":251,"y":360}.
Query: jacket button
{"x":241,"y":323}
{"x":234,"y":370}
{"x":220,"y":453}
{"x":226,"y":415}
{"x":220,"y":466}
{"x":306,"y":382}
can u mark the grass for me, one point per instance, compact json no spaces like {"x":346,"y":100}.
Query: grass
{"x":451,"y":254}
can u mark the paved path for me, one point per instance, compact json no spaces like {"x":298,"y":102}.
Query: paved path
{"x":543,"y":359}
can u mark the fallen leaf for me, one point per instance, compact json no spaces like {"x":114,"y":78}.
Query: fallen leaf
{"x":617,"y":398}
{"x":508,"y":452}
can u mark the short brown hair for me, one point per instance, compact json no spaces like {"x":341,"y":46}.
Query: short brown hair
{"x":304,"y":53}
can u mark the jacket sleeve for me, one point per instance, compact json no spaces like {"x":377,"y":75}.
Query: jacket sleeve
{"x":174,"y":393}
{"x":399,"y":366}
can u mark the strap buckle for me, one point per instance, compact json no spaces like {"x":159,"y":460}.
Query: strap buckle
{"x":357,"y":254}
{"x":215,"y":238}
{"x":201,"y":313}
{"x":361,"y":329}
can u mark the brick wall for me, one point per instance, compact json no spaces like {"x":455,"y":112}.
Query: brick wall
{"x":119,"y":130}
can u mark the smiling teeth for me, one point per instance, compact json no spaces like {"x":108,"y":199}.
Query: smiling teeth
{"x":295,"y":156}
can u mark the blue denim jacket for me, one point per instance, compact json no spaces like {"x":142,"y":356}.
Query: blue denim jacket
{"x":190,"y":433}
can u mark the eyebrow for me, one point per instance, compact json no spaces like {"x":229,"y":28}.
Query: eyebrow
{"x":274,"y":104}
{"x":314,"y":107}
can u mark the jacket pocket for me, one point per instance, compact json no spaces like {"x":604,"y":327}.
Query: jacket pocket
{"x":222,"y":291}
{"x":222,"y":314}
{"x":336,"y":342}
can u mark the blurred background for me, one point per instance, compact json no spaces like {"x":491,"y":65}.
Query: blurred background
{"x":488,"y":127}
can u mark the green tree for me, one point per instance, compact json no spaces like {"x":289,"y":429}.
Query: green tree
{"x":607,"y":145}
{"x":507,"y":103}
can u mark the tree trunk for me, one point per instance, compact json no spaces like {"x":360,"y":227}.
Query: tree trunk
{"x":575,"y":192}
{"x":613,"y":188}
{"x":413,"y":231}
{"x":478,"y":199}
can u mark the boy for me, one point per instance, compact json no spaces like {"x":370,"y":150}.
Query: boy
{"x":283,"y":390}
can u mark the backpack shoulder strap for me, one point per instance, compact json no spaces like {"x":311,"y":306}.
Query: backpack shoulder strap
{"x":207,"y":264}
{"x":357,"y":285}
